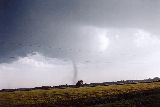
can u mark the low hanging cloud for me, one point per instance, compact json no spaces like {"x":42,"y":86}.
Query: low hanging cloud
{"x":96,"y":37}
{"x":146,"y":39}
{"x":35,"y":70}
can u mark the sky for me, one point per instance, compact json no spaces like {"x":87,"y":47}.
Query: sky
{"x":55,"y":42}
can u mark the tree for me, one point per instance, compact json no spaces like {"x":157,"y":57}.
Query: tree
{"x":79,"y":83}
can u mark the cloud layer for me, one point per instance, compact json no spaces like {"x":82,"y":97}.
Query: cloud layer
{"x":138,"y":59}
{"x":39,"y":40}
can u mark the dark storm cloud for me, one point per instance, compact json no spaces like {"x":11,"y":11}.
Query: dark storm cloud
{"x":25,"y":24}
{"x":50,"y":27}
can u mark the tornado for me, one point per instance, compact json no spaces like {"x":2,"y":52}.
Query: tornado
{"x":75,"y":71}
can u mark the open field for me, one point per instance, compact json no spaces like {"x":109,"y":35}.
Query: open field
{"x":141,"y":94}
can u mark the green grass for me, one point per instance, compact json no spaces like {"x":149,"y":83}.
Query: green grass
{"x":84,"y":96}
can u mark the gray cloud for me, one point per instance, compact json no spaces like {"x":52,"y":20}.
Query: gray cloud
{"x":36,"y":25}
{"x":121,"y":35}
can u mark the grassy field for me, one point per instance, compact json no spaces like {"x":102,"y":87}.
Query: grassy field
{"x":133,"y":95}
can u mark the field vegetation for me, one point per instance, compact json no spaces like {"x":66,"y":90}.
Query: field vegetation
{"x":133,"y":95}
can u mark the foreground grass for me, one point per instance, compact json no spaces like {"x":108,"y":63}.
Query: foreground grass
{"x":114,"y":95}
{"x":152,"y":100}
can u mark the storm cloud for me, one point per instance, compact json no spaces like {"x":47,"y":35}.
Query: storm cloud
{"x":115,"y":36}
